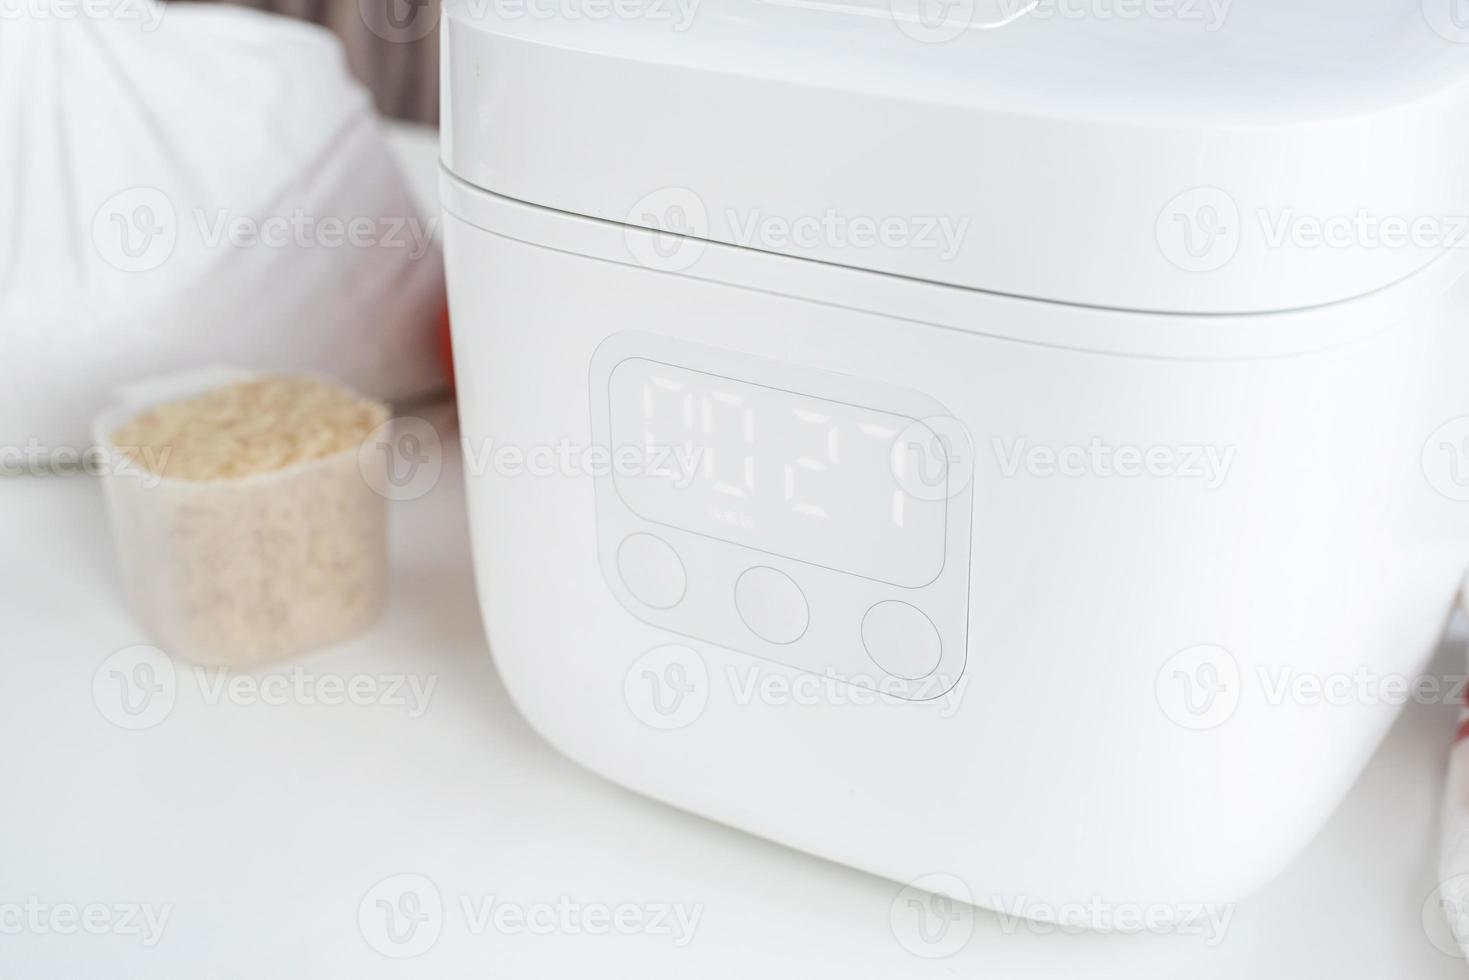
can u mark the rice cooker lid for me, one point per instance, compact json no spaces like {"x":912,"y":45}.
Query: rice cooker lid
{"x":1209,"y":156}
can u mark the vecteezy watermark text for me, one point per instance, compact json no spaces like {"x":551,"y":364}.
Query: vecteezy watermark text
{"x":1204,"y":228}
{"x":1210,"y":15}
{"x":36,"y":917}
{"x":138,"y":229}
{"x":147,"y":15}
{"x":403,"y":916}
{"x":137,"y":687}
{"x":942,"y":235}
{"x":938,"y":21}
{"x":670,"y":228}
{"x":675,"y":921}
{"x":669,"y":687}
{"x":678,"y":14}
{"x":36,"y":458}
{"x":301,"y":228}
{"x":1208,"y":921}
{"x":1203,"y":687}
{"x":565,"y":458}
{"x":296,"y":686}
{"x":1209,"y":464}
{"x":1362,"y":229}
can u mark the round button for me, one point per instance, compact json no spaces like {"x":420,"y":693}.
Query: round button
{"x":772,"y":605}
{"x":651,"y":570}
{"x":901,"y":640}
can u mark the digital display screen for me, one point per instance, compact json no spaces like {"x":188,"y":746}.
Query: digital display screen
{"x":784,"y":473}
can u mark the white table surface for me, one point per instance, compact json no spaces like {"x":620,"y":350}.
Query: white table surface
{"x":262,"y":828}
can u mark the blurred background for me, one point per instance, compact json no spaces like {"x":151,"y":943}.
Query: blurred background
{"x":392,"y":47}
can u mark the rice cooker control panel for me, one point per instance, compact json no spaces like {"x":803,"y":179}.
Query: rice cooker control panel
{"x":813,"y":519}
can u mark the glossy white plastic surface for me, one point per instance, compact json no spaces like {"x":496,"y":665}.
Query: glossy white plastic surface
{"x":1237,"y":157}
{"x":1119,"y":727}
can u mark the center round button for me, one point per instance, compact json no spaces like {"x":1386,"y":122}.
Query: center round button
{"x":772,"y":605}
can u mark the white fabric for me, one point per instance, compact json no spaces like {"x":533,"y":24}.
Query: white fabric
{"x":1450,"y":902}
{"x":1453,"y":869}
{"x":133,"y":140}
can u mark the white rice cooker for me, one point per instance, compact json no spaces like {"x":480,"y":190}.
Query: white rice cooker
{"x":992,"y":444}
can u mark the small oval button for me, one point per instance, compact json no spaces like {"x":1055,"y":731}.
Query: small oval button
{"x":772,"y":605}
{"x":901,"y":640}
{"x":651,"y":570}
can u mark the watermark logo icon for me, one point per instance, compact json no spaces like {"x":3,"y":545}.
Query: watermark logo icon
{"x":933,"y":459}
{"x":667,"y":688}
{"x":401,"y":916}
{"x":1199,"y":688}
{"x":667,"y":229}
{"x":136,"y":230}
{"x":1445,"y":459}
{"x":399,"y":21}
{"x":1445,"y":916}
{"x":1199,"y":230}
{"x":933,"y":21}
{"x":1448,"y":18}
{"x":937,"y":21}
{"x":135,"y":688}
{"x":402,"y":459}
{"x":933,"y":916}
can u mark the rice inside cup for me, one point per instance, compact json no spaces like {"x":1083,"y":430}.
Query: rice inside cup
{"x":244,"y":523}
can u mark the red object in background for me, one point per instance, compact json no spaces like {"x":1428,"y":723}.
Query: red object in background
{"x":446,"y":346}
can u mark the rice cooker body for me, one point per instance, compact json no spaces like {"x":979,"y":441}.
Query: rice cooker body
{"x":1048,"y":600}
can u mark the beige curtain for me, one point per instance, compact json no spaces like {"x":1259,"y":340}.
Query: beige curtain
{"x":392,"y":46}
